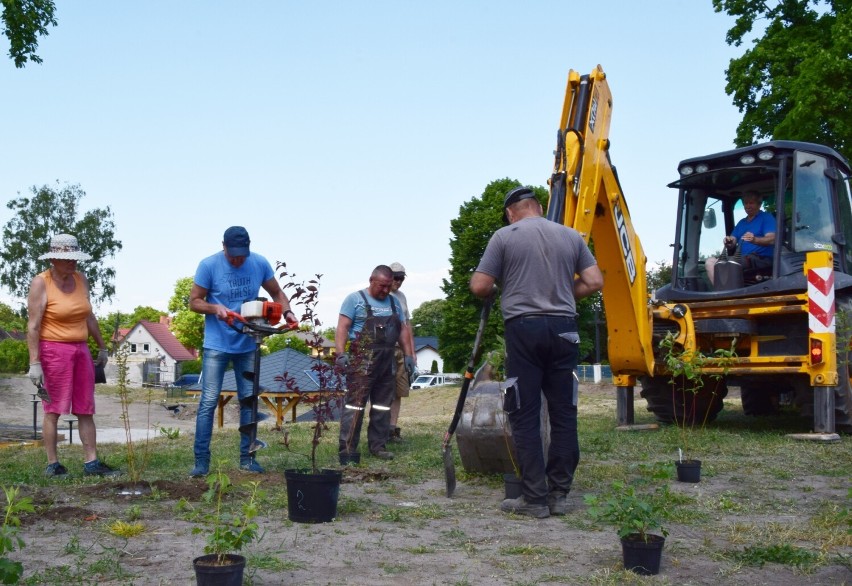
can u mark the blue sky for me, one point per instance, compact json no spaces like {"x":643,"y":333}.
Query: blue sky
{"x":346,"y":134}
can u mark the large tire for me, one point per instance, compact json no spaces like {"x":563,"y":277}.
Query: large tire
{"x":672,"y":405}
{"x":758,"y":399}
{"x":843,"y":390}
{"x":657,"y":391}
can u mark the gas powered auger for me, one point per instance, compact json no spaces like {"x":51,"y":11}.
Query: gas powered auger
{"x":257,"y":319}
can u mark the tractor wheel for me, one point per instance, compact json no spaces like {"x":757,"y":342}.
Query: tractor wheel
{"x":758,"y":400}
{"x":657,"y":391}
{"x":843,"y":390}
{"x":685,"y":408}
{"x":703,"y":406}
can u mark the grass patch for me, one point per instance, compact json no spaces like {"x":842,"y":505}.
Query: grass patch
{"x":784,"y":554}
{"x":758,"y":487}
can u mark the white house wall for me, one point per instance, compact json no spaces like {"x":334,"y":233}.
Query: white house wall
{"x":425,"y":356}
{"x":140,"y":336}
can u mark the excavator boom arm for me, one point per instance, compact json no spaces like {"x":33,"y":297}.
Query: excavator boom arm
{"x":585,"y":195}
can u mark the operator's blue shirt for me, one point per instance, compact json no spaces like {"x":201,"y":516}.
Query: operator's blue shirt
{"x":762,"y":224}
{"x":230,"y":287}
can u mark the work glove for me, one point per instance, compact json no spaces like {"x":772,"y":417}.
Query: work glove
{"x":103,"y":358}
{"x":342,"y":360}
{"x":36,"y":374}
{"x":409,"y":365}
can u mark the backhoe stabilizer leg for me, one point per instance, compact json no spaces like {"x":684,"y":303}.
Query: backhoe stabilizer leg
{"x":824,"y":409}
{"x":624,"y":405}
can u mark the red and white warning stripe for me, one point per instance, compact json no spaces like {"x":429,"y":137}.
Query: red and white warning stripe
{"x":821,"y":300}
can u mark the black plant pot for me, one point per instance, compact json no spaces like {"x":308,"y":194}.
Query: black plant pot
{"x":210,"y":573}
{"x":640,"y":556}
{"x":513,"y":486}
{"x":312,"y":498}
{"x":688,"y":470}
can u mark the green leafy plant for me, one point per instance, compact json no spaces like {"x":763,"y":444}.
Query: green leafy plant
{"x":329,"y":377}
{"x":696,"y":380}
{"x":136,"y":461}
{"x":10,"y":572}
{"x":170,"y":432}
{"x":231,"y":530}
{"x":630,"y":513}
{"x":496,"y":360}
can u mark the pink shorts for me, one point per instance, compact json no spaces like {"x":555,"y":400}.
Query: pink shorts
{"x":69,"y":377}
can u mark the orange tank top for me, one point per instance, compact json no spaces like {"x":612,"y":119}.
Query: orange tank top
{"x":65,"y":314}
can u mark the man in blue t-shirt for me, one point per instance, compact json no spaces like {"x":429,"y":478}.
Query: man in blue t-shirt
{"x":372,"y":322}
{"x":755,"y":235}
{"x":223,"y":282}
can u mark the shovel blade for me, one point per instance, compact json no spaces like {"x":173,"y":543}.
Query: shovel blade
{"x":449,"y":470}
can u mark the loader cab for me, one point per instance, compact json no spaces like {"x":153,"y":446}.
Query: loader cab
{"x":803,"y":186}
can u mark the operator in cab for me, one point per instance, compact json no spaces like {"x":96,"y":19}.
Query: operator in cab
{"x":754,"y":234}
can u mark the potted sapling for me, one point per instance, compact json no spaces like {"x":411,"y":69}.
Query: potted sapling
{"x":698,"y":384}
{"x":313,"y":493}
{"x":222,"y":564}
{"x":638,"y":522}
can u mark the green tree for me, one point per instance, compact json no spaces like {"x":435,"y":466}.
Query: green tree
{"x":657,"y":277}
{"x":278,"y":342}
{"x":795,"y":82}
{"x":592,"y":342}
{"x":55,"y":211}
{"x":14,"y":356}
{"x":478,"y":219}
{"x":147,"y":313}
{"x":187,"y":326}
{"x":11,"y":320}
{"x":116,"y":319}
{"x":24,"y":21}
{"x":427,"y":318}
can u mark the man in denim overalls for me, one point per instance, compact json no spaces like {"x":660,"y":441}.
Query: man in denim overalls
{"x":372,"y":321}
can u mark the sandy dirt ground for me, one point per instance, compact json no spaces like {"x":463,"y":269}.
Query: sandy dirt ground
{"x":395,"y":531}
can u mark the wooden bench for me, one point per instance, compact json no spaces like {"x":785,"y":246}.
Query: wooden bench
{"x":277,"y":402}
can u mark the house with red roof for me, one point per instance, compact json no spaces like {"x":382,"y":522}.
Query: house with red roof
{"x":154,"y":354}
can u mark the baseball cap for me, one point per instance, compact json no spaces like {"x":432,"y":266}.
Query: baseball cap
{"x":516,"y":195}
{"x":237,"y":241}
{"x":397,"y":268}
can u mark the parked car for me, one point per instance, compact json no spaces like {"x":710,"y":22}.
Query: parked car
{"x":428,"y":380}
{"x":187,"y":380}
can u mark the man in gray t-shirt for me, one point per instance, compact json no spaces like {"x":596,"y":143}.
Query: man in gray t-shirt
{"x":542,"y":267}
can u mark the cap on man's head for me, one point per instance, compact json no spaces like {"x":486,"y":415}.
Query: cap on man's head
{"x":516,"y":195}
{"x":236,"y":241}
{"x":398,"y":269}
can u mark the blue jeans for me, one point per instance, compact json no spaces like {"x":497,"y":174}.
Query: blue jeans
{"x":213,"y":368}
{"x":542,"y":352}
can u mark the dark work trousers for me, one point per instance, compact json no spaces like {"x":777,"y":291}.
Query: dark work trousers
{"x":370,"y":378}
{"x":542,"y":352}
{"x":378,"y":386}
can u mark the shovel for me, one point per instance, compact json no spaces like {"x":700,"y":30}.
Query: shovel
{"x":449,"y":460}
